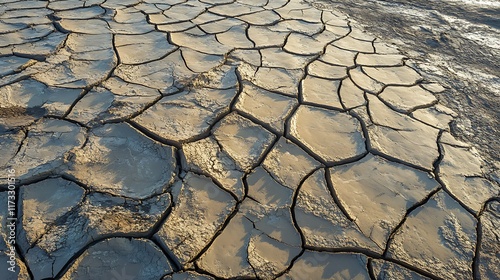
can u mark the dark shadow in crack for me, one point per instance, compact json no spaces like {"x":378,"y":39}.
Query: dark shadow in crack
{"x":14,"y":117}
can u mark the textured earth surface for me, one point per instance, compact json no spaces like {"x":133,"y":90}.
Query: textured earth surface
{"x":454,"y":41}
{"x":217,"y":139}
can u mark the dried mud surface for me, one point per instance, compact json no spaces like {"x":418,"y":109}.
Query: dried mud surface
{"x":232,"y":139}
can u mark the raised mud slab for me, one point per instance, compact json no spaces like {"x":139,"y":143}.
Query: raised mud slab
{"x":216,"y":139}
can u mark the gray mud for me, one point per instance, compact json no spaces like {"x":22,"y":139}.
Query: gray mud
{"x":455,"y":42}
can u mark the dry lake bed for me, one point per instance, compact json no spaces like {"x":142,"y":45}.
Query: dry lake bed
{"x":233,"y":139}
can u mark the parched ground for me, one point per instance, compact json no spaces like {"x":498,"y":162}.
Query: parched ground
{"x":456,"y":42}
{"x":217,"y":139}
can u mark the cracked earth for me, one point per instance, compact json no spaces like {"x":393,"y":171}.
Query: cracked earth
{"x":216,"y":139}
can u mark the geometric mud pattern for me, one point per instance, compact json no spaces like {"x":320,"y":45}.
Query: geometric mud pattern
{"x":229,"y":139}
